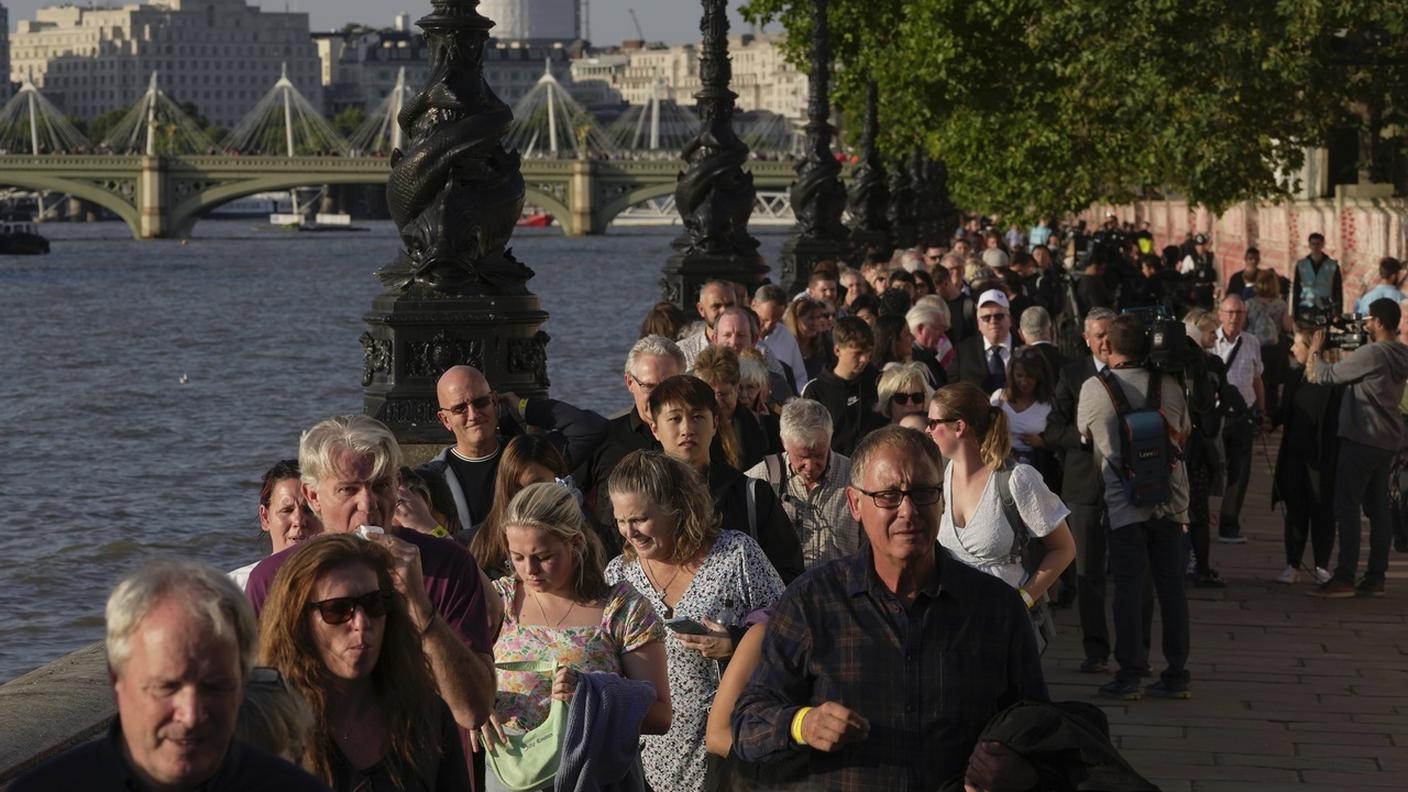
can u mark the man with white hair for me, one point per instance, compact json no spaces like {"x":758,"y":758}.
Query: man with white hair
{"x":181,"y":641}
{"x":351,"y":469}
{"x":1037,"y":331}
{"x":714,"y":298}
{"x":1242,"y":354}
{"x":810,"y":479}
{"x":928,"y":323}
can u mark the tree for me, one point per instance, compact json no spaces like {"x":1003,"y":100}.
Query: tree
{"x":348,"y":121}
{"x":97,"y":128}
{"x":1046,"y":106}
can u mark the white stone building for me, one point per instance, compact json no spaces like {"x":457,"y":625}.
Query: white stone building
{"x":220,"y":55}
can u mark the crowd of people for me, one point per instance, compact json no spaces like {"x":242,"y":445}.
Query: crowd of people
{"x":819,"y":549}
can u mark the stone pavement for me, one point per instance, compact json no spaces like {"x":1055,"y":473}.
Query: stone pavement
{"x":1289,"y":691}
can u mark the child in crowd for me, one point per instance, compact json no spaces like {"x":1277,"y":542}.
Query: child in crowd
{"x":848,"y":390}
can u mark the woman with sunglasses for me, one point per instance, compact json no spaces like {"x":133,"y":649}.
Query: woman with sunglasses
{"x":558,"y":606}
{"x":972,"y":434}
{"x":284,"y":513}
{"x":903,"y":389}
{"x":336,"y":630}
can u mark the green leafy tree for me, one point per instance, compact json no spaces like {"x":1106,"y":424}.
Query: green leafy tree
{"x":348,"y":121}
{"x":1045,"y":106}
{"x":97,"y":128}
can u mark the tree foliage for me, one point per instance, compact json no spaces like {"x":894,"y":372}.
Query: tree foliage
{"x":348,"y":121}
{"x":1046,"y":106}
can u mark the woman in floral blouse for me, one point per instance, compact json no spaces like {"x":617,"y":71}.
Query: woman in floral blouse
{"x":557,"y":605}
{"x":676,"y":555}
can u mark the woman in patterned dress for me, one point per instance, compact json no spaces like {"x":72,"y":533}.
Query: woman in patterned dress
{"x":557,"y":605}
{"x":679,"y":559}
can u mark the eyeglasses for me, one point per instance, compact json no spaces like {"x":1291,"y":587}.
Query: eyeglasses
{"x":934,"y":422}
{"x":992,"y":318}
{"x":339,"y":610}
{"x":901,"y":398}
{"x":645,"y":386}
{"x":891,"y":498}
{"x":267,"y":675}
{"x":479,"y":403}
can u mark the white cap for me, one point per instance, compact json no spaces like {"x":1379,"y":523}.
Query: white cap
{"x":994,"y":296}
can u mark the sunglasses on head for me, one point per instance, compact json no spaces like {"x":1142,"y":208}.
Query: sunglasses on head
{"x":339,"y":610}
{"x":914,"y":398}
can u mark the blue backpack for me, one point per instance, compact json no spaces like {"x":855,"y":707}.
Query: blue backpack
{"x":1147,"y":454}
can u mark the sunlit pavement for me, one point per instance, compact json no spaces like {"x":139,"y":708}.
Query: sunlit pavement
{"x":1288,"y":690}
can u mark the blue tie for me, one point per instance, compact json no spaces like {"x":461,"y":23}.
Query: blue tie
{"x":997,"y":373}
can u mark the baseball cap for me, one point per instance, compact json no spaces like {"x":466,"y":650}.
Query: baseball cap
{"x":994,"y":296}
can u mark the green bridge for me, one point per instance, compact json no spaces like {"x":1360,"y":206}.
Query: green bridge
{"x":163,"y":197}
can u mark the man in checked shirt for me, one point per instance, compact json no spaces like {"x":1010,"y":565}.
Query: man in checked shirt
{"x":886,"y":665}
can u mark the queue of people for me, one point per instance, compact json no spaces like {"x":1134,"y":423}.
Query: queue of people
{"x":819,"y":549}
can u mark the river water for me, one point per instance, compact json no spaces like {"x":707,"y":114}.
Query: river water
{"x":107,"y":459}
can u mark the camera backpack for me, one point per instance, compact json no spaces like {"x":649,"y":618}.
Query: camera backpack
{"x":1147,"y":455}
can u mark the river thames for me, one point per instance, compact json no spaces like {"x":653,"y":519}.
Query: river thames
{"x":108,"y":459}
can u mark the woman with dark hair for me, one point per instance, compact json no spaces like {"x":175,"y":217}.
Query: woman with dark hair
{"x":972,"y":434}
{"x":340,"y":635}
{"x":894,"y":343}
{"x":284,"y":513}
{"x":665,"y":319}
{"x":685,"y":417}
{"x":528,"y":459}
{"x":805,"y":318}
{"x":1026,"y":401}
{"x":558,"y":605}
{"x":703,"y":580}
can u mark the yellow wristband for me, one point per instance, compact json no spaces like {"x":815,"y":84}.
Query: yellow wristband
{"x":523,"y":406}
{"x":1027,"y":598}
{"x":797,"y":725}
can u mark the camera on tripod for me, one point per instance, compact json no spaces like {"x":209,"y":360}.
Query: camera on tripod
{"x":1168,"y":338}
{"x":1342,"y":331}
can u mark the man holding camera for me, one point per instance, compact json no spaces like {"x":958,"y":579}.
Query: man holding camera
{"x":1242,"y":354}
{"x":1142,"y":537}
{"x":1371,"y":430}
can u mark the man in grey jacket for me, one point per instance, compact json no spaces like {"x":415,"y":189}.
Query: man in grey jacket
{"x":1371,"y":429}
{"x":1142,"y":538}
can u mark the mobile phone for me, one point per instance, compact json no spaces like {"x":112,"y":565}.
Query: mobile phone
{"x":687,"y":626}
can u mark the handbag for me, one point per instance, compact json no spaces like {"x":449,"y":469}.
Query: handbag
{"x":1023,"y":551}
{"x":528,"y":760}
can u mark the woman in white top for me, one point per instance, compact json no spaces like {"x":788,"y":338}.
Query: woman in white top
{"x":972,"y":434}
{"x":1026,"y":402}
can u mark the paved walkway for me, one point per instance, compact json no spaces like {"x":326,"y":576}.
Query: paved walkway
{"x":1289,"y":691}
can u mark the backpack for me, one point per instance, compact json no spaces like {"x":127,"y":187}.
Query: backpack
{"x":1147,"y":452}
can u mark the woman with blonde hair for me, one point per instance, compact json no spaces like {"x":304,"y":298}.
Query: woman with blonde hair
{"x":972,"y":434}
{"x":703,"y":580}
{"x":903,"y":389}
{"x":739,"y":433}
{"x":342,"y":638}
{"x":558,"y":606}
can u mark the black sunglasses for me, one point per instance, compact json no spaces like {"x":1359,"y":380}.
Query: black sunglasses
{"x":339,"y":610}
{"x":901,"y":398}
{"x":479,"y":404}
{"x":934,"y":422}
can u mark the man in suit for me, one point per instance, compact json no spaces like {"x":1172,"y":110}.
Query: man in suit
{"x":983,"y":358}
{"x":1081,"y":490}
{"x":1035,"y":327}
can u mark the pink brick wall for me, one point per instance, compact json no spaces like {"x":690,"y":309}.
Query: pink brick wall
{"x":1358,"y":232}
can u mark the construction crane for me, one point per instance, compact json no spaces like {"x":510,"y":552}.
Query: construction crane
{"x":640,"y":35}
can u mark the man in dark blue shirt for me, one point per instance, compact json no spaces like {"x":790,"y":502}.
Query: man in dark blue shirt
{"x":886,"y":665}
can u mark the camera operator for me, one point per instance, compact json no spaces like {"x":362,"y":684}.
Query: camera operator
{"x":1141,"y":538}
{"x":1370,"y":430}
{"x":1242,"y":354}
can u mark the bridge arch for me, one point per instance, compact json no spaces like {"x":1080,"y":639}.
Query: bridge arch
{"x":552,"y":206}
{"x":186,"y":212}
{"x":639,"y":195}
{"x":123,"y":207}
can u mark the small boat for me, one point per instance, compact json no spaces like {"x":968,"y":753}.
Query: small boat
{"x":535,"y":219}
{"x":21,"y":238}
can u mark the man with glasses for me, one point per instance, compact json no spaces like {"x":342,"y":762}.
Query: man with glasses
{"x":350,"y":466}
{"x":1242,"y":354}
{"x":181,"y":642}
{"x":983,"y":359}
{"x":652,"y":360}
{"x":1316,"y":283}
{"x":958,"y":643}
{"x":481,"y":420}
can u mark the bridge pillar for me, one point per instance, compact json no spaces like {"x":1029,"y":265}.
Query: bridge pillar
{"x":581,"y":189}
{"x":152,"y":199}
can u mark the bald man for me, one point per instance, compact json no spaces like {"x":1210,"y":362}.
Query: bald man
{"x":715,"y":297}
{"x":482,"y":422}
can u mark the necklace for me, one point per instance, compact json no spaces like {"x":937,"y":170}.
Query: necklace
{"x":668,"y":611}
{"x":544,"y":613}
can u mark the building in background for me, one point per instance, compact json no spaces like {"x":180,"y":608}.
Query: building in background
{"x":220,"y":55}
{"x":534,"y":22}
{"x":5,"y":88}
{"x":359,"y":65}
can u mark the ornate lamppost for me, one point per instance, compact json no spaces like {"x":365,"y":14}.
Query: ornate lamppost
{"x":870,"y":194}
{"x":818,"y":197}
{"x":902,"y":210}
{"x":714,"y":195}
{"x":455,"y":294}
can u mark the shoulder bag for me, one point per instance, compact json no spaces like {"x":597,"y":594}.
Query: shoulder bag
{"x":529,"y":759}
